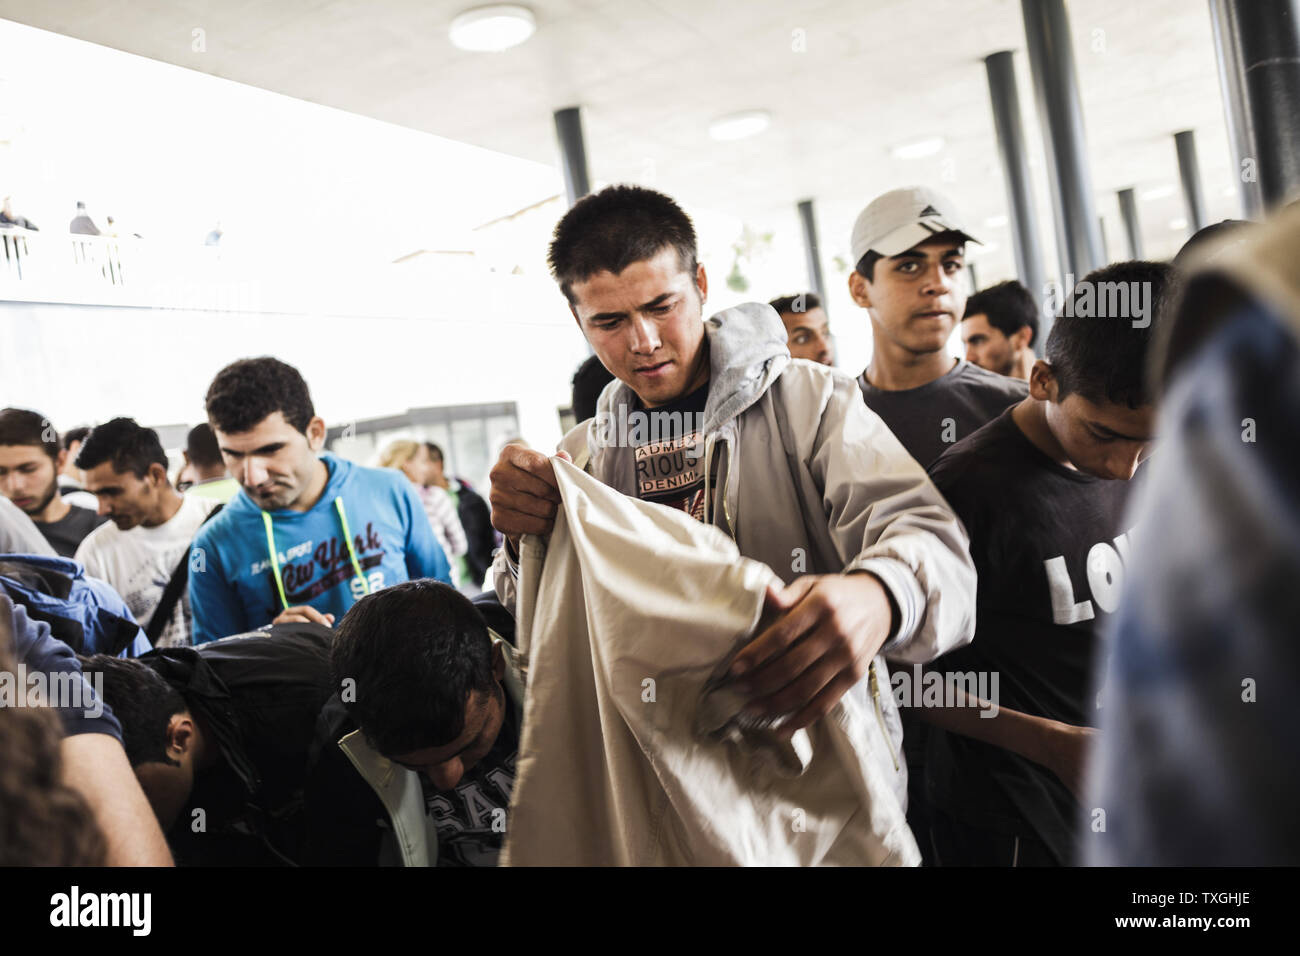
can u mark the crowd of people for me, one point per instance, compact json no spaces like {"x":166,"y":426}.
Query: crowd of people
{"x":296,"y":659}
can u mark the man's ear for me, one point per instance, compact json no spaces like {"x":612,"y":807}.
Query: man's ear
{"x":702,"y":283}
{"x":316,"y":433}
{"x":1042,"y":382}
{"x":860,"y":289}
{"x":60,"y":461}
{"x":157,"y":474}
{"x":181,"y":735}
{"x":1020,"y":338}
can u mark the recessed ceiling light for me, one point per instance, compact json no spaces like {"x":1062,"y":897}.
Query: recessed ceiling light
{"x":1230,"y":191}
{"x":1179,"y":223}
{"x":492,"y":29}
{"x":740,"y":125}
{"x":995,"y":222}
{"x":1156,"y":192}
{"x":919,"y":149}
{"x":979,"y":252}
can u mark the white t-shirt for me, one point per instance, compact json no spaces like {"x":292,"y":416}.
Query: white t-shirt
{"x":139,"y":563}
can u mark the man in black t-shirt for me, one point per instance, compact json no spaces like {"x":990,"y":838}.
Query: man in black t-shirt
{"x":1041,"y":490}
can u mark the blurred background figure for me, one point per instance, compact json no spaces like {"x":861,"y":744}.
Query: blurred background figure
{"x":82,"y":224}
{"x":475,"y":518}
{"x":999,"y":329}
{"x":204,"y":467}
{"x":412,"y":459}
{"x":1198,"y":760}
{"x":588,"y":382}
{"x":807,"y":326}
{"x":10,"y":218}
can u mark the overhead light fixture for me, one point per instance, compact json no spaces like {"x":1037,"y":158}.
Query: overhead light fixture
{"x":493,"y":28}
{"x":995,"y":222}
{"x":918,"y":150}
{"x":1230,"y":191}
{"x":1178,"y":224}
{"x":1157,"y":192}
{"x":740,"y":125}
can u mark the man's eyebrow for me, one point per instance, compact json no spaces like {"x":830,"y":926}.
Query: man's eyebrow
{"x":1114,"y":434}
{"x":653,"y":303}
{"x":264,"y":450}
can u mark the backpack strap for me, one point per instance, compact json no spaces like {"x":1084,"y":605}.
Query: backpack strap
{"x":172,"y":592}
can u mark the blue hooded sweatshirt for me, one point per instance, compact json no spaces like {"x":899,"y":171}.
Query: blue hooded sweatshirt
{"x":233,"y":585}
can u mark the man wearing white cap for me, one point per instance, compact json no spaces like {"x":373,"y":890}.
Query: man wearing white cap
{"x":908,"y":247}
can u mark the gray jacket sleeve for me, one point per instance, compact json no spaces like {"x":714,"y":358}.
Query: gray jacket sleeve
{"x":886,"y":517}
{"x":17,"y":533}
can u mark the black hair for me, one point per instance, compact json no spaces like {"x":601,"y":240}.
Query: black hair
{"x":796,"y":304}
{"x":1100,"y":355}
{"x":1009,"y":307}
{"x":609,"y":230}
{"x":415,"y":651}
{"x":74,"y":435}
{"x":142,"y":701}
{"x":434,"y":452}
{"x":22,"y":426}
{"x":127,"y":444}
{"x":588,"y":382}
{"x":246,"y":392}
{"x":202,"y":448}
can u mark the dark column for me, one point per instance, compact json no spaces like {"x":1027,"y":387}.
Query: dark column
{"x":1128,"y":211}
{"x":1060,"y":113}
{"x":974,"y":277}
{"x":1014,"y":154}
{"x":1236,"y":112}
{"x":811,"y":251}
{"x":1265,"y":37}
{"x":573,"y":153}
{"x":1189,"y":171}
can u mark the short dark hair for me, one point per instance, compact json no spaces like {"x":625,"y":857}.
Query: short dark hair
{"x":414,"y":651}
{"x":202,"y":448}
{"x":1009,"y":307}
{"x":22,"y":426}
{"x":75,"y":435}
{"x":1103,"y":357}
{"x":246,"y":392}
{"x":609,"y":230}
{"x":142,"y":701}
{"x":805,"y":301}
{"x":588,"y":382}
{"x":434,"y":451}
{"x":127,"y":444}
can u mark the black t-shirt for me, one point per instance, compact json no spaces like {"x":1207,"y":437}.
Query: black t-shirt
{"x":65,"y":534}
{"x":471,"y":817}
{"x":1049,"y":544}
{"x":930,"y":418}
{"x":669,"y":461}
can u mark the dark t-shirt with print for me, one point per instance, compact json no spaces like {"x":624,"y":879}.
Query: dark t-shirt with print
{"x":930,"y":418}
{"x":471,"y":817}
{"x":1050,"y":547}
{"x":65,"y":534}
{"x":669,"y":461}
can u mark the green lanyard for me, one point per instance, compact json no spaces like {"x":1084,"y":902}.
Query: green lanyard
{"x":347,"y":540}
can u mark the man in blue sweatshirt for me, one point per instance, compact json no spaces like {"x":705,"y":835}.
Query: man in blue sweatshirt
{"x":309,"y":534}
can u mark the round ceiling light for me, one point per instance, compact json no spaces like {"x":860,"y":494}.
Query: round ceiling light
{"x":492,"y":29}
{"x":921,"y":148}
{"x":740,"y":125}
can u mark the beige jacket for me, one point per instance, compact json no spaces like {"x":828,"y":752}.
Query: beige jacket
{"x":633,"y":751}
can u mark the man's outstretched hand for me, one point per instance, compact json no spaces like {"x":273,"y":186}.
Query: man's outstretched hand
{"x":827,"y":630}
{"x":524,"y":495}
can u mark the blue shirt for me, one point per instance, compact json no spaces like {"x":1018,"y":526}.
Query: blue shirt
{"x":233,"y":578}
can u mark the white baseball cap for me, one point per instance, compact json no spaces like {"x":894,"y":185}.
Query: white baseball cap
{"x":902,"y":218}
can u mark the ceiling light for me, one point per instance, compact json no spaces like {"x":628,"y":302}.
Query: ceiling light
{"x":1178,"y":224}
{"x":995,"y":222}
{"x":919,"y":149}
{"x":1157,"y":192}
{"x":740,"y":125}
{"x":493,"y":28}
{"x":1230,"y":191}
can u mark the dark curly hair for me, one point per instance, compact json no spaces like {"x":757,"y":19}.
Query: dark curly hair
{"x":246,"y":392}
{"x":126,"y":443}
{"x":22,"y":426}
{"x":43,"y":822}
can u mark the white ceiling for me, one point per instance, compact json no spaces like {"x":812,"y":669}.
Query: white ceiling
{"x":651,"y":74}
